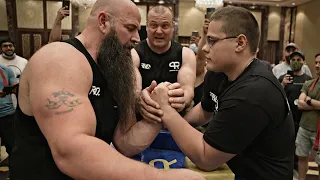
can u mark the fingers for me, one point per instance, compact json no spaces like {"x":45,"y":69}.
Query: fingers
{"x":174,"y":86}
{"x":152,"y":86}
{"x":178,"y":100}
{"x":149,"y":117}
{"x":178,"y":107}
{"x":150,"y":109}
{"x":149,"y":113}
{"x":176,"y":93}
{"x":145,"y":97}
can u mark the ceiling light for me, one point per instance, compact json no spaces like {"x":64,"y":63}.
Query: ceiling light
{"x":85,"y":3}
{"x":204,"y":4}
{"x":136,"y":1}
{"x":277,"y":5}
{"x":293,"y":4}
{"x":161,"y":2}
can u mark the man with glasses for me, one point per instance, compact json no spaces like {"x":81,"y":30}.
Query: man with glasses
{"x":251,"y":127}
{"x":10,"y":58}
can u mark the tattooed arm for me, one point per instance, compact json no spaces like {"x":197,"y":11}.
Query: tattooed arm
{"x":59,"y":86}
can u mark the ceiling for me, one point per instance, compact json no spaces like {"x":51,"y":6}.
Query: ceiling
{"x":267,"y":2}
{"x":270,"y":2}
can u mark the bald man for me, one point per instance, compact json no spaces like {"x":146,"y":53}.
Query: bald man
{"x":72,"y":106}
{"x":160,"y":59}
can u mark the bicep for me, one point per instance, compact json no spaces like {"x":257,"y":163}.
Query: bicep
{"x":59,"y":96}
{"x":233,"y":128}
{"x":62,"y":113}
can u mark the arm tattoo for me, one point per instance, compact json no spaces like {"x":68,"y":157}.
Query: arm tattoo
{"x":63,"y":102}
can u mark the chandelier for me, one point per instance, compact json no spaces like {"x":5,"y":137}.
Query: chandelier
{"x":84,"y":3}
{"x":204,"y":4}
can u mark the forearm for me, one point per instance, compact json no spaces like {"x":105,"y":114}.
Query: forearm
{"x":188,"y":95}
{"x":189,"y":140}
{"x":86,"y":157}
{"x":55,"y":34}
{"x":138,"y":138}
{"x":197,"y":116}
{"x":302,"y":105}
{"x":315,"y":104}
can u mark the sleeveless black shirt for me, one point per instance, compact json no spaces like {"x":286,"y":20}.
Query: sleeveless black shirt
{"x":31,"y":157}
{"x":159,"y":67}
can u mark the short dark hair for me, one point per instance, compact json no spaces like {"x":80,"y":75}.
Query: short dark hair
{"x":236,"y":21}
{"x":6,"y":39}
{"x":160,"y":9}
{"x":318,"y":54}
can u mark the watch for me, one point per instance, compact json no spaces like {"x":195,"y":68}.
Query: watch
{"x":309,"y":102}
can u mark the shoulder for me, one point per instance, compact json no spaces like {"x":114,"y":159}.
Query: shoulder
{"x":188,"y":54}
{"x":58,"y":57}
{"x":255,"y":89}
{"x":278,"y":66}
{"x":307,"y":77}
{"x":21,"y":59}
{"x":309,"y":82}
{"x":305,"y":66}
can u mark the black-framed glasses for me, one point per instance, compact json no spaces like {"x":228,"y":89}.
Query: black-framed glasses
{"x":211,"y":41}
{"x":7,"y":45}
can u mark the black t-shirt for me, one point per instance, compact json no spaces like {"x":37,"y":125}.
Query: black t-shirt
{"x":159,"y":67}
{"x":293,"y":92}
{"x":253,"y":121}
{"x":198,"y":91}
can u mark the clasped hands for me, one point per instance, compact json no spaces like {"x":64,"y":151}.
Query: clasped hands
{"x":156,"y":99}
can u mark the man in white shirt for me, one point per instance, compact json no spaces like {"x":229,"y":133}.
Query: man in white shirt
{"x":282,"y":68}
{"x":11,"y":59}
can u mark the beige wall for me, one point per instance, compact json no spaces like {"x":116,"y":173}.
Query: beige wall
{"x":274,"y":21}
{"x":52,"y":9}
{"x":307,"y":32}
{"x":83,"y":17}
{"x":30,"y":14}
{"x":190,"y":18}
{"x":3,"y":16}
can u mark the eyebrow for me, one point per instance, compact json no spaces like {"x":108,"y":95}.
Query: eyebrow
{"x":212,"y":37}
{"x":133,"y":25}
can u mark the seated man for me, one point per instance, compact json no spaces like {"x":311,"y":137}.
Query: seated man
{"x":252,"y":127}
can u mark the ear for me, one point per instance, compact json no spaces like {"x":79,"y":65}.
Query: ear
{"x":242,"y":43}
{"x":104,"y":22}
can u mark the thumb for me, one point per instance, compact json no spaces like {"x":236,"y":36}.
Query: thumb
{"x":152,"y":86}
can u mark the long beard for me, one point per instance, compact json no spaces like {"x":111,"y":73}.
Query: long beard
{"x":114,"y":60}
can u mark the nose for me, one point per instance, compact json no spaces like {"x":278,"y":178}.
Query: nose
{"x":135,"y":38}
{"x":159,"y":30}
{"x":206,"y":48}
